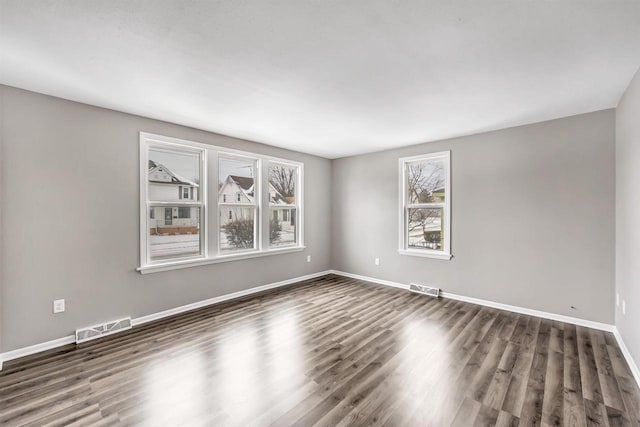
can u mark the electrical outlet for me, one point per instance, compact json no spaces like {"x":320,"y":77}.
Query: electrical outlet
{"x":624,"y":307}
{"x":308,"y":258}
{"x":377,"y":261}
{"x":58,"y":306}
{"x":617,"y":299}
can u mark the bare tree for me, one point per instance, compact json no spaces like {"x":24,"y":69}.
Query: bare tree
{"x":283,"y":180}
{"x":423,"y":179}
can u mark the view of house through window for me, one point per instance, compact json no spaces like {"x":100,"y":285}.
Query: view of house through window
{"x":426,"y":203}
{"x":173,"y":184}
{"x":283,"y":184}
{"x":236,"y":182}
{"x":257,"y":207}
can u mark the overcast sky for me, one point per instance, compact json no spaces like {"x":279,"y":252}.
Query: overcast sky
{"x":183,"y":164}
{"x":234,"y":167}
{"x":186,"y":165}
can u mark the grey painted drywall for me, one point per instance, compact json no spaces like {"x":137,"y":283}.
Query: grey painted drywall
{"x":71,"y":221}
{"x":532,"y":217}
{"x":628,"y":216}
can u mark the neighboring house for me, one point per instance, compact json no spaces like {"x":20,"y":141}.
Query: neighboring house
{"x":166,"y":185}
{"x":435,"y":196}
{"x":240,"y":190}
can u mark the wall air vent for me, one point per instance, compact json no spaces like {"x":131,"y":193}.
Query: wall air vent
{"x":102,"y":330}
{"x":425,"y":290}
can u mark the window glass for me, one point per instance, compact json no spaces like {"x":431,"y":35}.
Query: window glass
{"x":174,"y":232}
{"x":238,"y":225}
{"x":426,"y":181}
{"x":171,"y":173}
{"x":237,"y":228}
{"x":283,"y":182}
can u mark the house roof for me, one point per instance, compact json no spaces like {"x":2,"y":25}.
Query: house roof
{"x":244,"y":182}
{"x":246,"y":185}
{"x":175,"y":178}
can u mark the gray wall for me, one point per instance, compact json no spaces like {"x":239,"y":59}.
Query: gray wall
{"x":70,"y":209}
{"x":532,"y":217}
{"x":628,"y":216}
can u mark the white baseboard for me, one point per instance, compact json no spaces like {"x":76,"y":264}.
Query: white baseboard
{"x":521,"y":310}
{"x":627,"y":355}
{"x":70,"y":339}
{"x":36,"y":348}
{"x":155,"y":316}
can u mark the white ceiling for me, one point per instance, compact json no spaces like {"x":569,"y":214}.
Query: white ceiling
{"x":327,"y":77}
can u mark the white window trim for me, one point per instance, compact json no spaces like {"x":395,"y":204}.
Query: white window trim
{"x":211,"y":154}
{"x":403,"y":205}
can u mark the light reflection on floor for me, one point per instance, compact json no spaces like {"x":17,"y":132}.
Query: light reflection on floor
{"x":242,"y":371}
{"x":175,"y":399}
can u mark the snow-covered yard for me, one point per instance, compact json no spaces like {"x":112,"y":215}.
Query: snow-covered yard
{"x":171,"y":245}
{"x":416,"y":234}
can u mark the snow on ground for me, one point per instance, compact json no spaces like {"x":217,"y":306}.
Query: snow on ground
{"x":172,"y":245}
{"x":168,"y":246}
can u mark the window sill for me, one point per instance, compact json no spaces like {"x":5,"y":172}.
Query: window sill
{"x":175,"y":265}
{"x":425,"y":253}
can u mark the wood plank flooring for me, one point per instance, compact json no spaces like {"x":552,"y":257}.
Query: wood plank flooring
{"x":330,"y":352}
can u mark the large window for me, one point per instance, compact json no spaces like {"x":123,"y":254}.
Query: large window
{"x":202,"y":204}
{"x":425,"y":214}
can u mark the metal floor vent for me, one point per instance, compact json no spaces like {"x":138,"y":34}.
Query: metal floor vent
{"x":423,"y":289}
{"x":102,"y":330}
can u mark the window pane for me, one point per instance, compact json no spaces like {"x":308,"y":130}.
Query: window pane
{"x":173,"y":175}
{"x":282,"y":227}
{"x":237,"y":228}
{"x":236,"y":181}
{"x":184,"y":212}
{"x":282,"y":184}
{"x":426,"y":229}
{"x":426,"y":181}
{"x":172,"y":235}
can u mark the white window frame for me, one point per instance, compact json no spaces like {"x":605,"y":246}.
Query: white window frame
{"x":297,"y":205}
{"x":404,"y":207}
{"x":208,"y":199}
{"x":146,"y":204}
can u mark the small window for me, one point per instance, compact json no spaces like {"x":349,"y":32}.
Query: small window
{"x":185,"y":193}
{"x":238,"y":197}
{"x":184,"y":212}
{"x":425,"y":214}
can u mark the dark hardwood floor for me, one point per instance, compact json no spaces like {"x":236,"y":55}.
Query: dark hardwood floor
{"x":332,"y":352}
